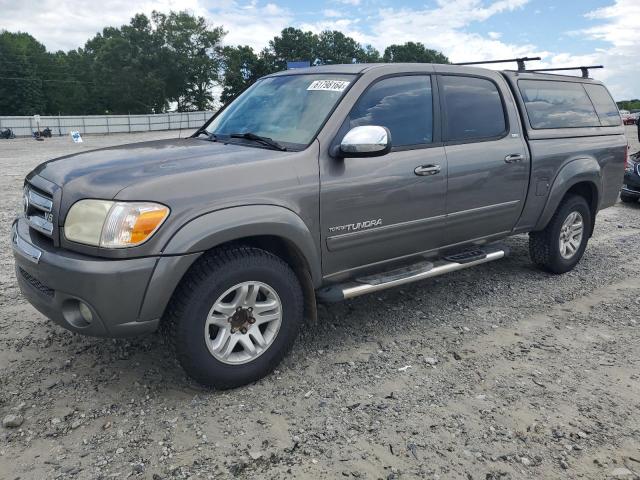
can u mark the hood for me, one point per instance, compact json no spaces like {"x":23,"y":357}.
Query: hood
{"x":190,"y":176}
{"x":106,"y":171}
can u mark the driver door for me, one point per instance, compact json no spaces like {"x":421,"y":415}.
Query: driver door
{"x":377,"y":209}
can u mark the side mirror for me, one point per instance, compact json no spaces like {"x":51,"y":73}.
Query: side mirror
{"x":365,"y":141}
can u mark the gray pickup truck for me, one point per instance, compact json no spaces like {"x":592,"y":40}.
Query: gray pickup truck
{"x":315,"y":184}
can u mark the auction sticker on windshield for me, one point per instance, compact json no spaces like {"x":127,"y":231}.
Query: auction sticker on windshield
{"x":328,"y":85}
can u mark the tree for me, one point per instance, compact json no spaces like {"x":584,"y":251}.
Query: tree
{"x":629,"y":104}
{"x":73,"y":95}
{"x":23,"y":60}
{"x":413,"y":52}
{"x":335,"y":47}
{"x":195,"y":55}
{"x":126,"y":69}
{"x":293,"y":44}
{"x":242,"y":67}
{"x":329,"y":47}
{"x":369,"y":55}
{"x":154,"y":62}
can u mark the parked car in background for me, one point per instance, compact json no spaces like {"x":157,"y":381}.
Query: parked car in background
{"x":630,"y":192}
{"x":7,"y":133}
{"x":627,"y":117}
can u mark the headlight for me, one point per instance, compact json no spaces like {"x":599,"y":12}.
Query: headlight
{"x":113,"y":224}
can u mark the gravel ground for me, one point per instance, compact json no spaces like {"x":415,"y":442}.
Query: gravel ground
{"x":496,"y":372}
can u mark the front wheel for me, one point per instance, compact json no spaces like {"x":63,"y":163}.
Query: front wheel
{"x":560,"y":246}
{"x":234,"y":317}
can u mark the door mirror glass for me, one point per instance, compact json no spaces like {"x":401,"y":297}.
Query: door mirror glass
{"x":366,"y":141}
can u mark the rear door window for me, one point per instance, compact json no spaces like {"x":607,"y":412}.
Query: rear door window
{"x":606,"y":108}
{"x":553,"y":104}
{"x":473,"y":109}
{"x":402,"y":104}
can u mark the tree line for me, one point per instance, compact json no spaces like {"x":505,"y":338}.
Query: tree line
{"x":162,"y":61}
{"x":629,"y":104}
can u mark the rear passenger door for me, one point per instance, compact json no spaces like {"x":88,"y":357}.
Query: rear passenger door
{"x":487,"y":157}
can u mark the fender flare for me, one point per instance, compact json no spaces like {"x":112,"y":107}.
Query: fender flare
{"x":576,"y":171}
{"x":215,"y":228}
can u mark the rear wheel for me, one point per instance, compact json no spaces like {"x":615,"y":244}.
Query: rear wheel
{"x":560,"y":246}
{"x":628,"y":198}
{"x":235,"y":316}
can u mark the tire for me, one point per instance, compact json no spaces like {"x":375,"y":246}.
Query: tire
{"x":545,"y":246}
{"x":199,"y":348}
{"x":628,"y":198}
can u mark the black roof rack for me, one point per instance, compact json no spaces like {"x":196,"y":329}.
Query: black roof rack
{"x":520,"y":61}
{"x":585,"y":70}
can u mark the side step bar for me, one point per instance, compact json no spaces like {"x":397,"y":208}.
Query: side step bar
{"x":402,"y":276}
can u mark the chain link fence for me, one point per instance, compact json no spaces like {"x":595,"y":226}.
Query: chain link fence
{"x":105,"y":124}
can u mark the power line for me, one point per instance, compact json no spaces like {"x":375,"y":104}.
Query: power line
{"x":27,"y":79}
{"x":21,"y":72}
{"x":16,"y":73}
{"x":46,"y":65}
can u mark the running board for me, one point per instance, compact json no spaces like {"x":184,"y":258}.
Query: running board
{"x":413,"y":273}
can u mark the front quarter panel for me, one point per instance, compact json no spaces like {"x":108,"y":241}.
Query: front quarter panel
{"x":216,"y":228}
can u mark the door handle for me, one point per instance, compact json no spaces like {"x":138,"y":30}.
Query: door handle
{"x":514,"y":157}
{"x":424,"y":170}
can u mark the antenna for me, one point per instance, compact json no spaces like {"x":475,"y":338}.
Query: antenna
{"x":584,"y":70}
{"x":520,"y":61}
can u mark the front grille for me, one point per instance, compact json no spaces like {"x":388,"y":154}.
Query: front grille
{"x":35,"y":283}
{"x":38,"y":210}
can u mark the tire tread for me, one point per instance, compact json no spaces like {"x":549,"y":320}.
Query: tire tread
{"x":210,"y":263}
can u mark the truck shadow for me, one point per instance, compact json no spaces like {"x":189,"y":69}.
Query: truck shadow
{"x":632,"y":206}
{"x":149,"y":360}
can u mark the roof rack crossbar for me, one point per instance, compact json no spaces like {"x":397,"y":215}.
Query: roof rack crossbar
{"x":584,"y":70}
{"x":520,"y":61}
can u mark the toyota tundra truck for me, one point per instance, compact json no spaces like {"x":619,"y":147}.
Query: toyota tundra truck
{"x":317,"y":184}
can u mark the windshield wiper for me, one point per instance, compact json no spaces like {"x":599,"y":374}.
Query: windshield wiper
{"x":260,"y":139}
{"x":211,"y":136}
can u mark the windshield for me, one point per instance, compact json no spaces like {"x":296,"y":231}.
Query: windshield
{"x":288,"y":109}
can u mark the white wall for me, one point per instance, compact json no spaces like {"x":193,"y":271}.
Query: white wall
{"x":105,"y":124}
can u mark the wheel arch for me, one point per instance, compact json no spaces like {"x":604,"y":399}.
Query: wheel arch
{"x":589,"y":192}
{"x":270,"y":228}
{"x":579,"y":177}
{"x":275,"y":228}
{"x":291,"y":254}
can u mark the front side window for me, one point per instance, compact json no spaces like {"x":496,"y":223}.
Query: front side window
{"x":402,"y":104}
{"x":554,"y":104}
{"x":290,"y":109}
{"x":473,"y":109}
{"x":605,"y":107}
